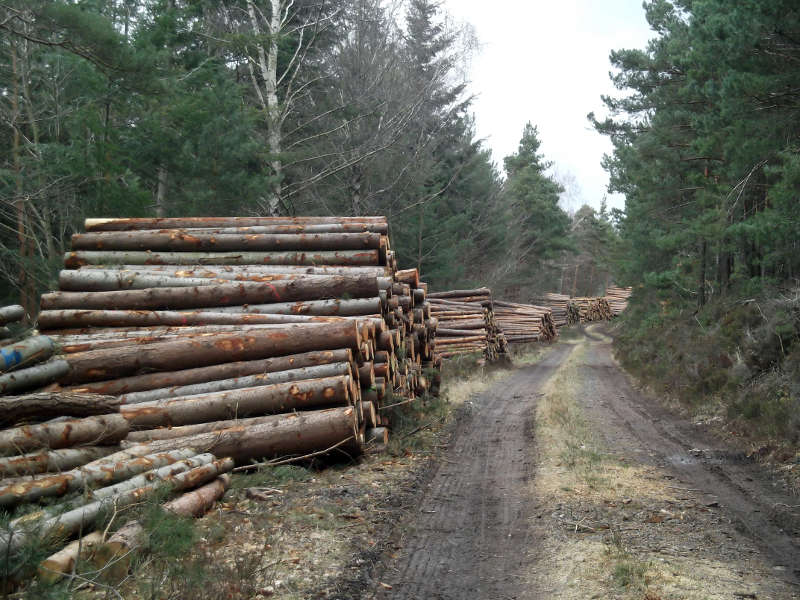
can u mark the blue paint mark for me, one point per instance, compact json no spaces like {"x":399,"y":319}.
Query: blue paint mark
{"x":11,"y":357}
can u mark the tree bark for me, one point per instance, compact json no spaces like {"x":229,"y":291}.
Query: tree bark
{"x":47,"y":405}
{"x":278,"y":398}
{"x":31,"y":377}
{"x":30,"y":350}
{"x":73,"y":260}
{"x":226,"y":294}
{"x":248,"y":381}
{"x":132,"y":224}
{"x":226,"y":370}
{"x":291,"y":434}
{"x":50,"y":461}
{"x":102,"y":430}
{"x":178,"y":241}
{"x":97,"y":365}
{"x":64,"y":561}
{"x":106,"y":471}
{"x":11,"y":314}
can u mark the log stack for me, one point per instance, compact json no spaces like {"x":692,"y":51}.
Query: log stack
{"x":524,"y":323}
{"x":244,"y":338}
{"x":565,"y":312}
{"x":466,"y":324}
{"x":593,"y":309}
{"x":617,"y":298}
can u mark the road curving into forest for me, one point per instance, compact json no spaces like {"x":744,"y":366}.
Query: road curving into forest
{"x":505,"y":516}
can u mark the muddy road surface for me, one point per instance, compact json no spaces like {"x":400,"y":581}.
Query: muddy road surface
{"x":564,"y":481}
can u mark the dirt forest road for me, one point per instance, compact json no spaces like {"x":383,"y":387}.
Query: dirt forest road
{"x":563,"y":481}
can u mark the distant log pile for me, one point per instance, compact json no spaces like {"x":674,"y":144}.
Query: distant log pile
{"x":176,"y":344}
{"x":593,"y":309}
{"x":617,"y":298}
{"x":565,"y":312}
{"x":523,"y":323}
{"x":466,"y":324}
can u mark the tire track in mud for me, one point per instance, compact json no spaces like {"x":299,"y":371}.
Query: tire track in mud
{"x":741,"y":486}
{"x":471,"y":534}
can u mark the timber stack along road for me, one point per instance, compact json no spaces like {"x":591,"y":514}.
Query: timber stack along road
{"x":705,"y":521}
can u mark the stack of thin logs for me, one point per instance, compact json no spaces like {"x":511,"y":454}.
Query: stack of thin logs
{"x":523,"y":323}
{"x":617,"y":298}
{"x":593,"y":309}
{"x":467,"y":324}
{"x":239,"y":338}
{"x":565,"y":312}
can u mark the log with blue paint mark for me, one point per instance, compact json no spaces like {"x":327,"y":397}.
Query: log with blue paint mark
{"x":31,"y":350}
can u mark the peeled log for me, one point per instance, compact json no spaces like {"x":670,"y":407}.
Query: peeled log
{"x":177,"y":354}
{"x":103,"y":429}
{"x":99,"y":472}
{"x":63,"y":562}
{"x":179,"y":241}
{"x":294,"y":434}
{"x":47,"y":405}
{"x":50,"y":461}
{"x":30,"y":350}
{"x":230,"y":370}
{"x":279,"y":398}
{"x":32,"y":377}
{"x":226,"y":294}
{"x":11,"y":314}
{"x":73,"y":260}
{"x":304,"y":373}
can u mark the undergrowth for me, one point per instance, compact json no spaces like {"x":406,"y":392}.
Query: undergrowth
{"x":737,"y":359}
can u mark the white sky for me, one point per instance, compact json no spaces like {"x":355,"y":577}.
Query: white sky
{"x":547,"y":62}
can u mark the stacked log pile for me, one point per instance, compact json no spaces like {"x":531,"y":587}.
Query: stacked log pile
{"x":593,"y":309}
{"x":565,"y":312}
{"x":466,"y":324}
{"x":617,"y":298}
{"x":523,"y":323}
{"x":233,"y":339}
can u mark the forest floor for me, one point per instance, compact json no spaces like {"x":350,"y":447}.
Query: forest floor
{"x":555,"y":479}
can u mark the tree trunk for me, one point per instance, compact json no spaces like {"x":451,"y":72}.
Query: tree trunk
{"x":70,"y":522}
{"x":226,"y":370}
{"x":47,"y":405}
{"x":131,"y":224}
{"x":197,"y":502}
{"x":80,"y":319}
{"x":292,"y":434}
{"x":168,"y":433}
{"x":278,"y":398}
{"x":103,"y":430}
{"x":107,"y":471}
{"x":36,"y":376}
{"x":226,"y":294}
{"x":73,"y":260}
{"x":30,"y":350}
{"x":11,"y":314}
{"x":64,"y":561}
{"x":50,"y":461}
{"x":176,"y":241}
{"x":161,"y":192}
{"x":248,"y":381}
{"x":98,"y":365}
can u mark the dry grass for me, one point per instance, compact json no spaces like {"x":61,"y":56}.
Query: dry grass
{"x":615,"y":530}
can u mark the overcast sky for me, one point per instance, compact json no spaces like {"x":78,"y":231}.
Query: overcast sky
{"x":547,"y":62}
